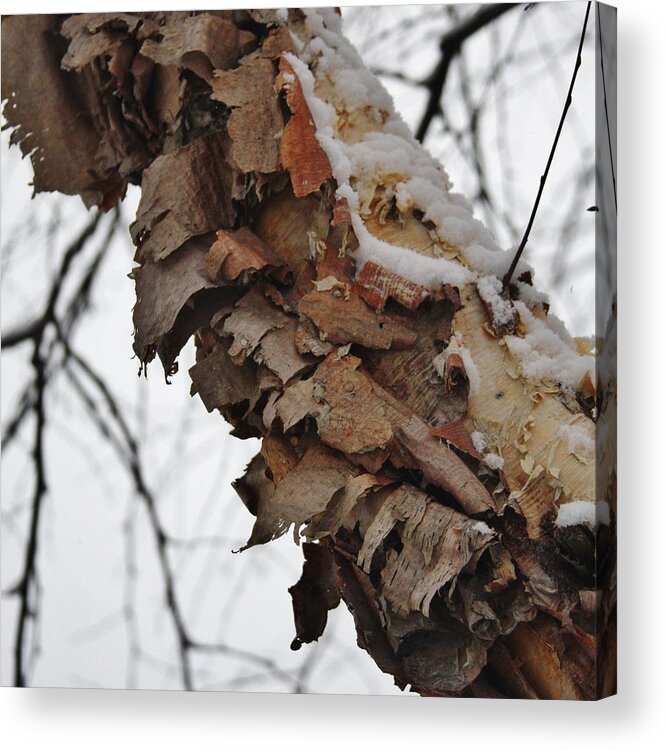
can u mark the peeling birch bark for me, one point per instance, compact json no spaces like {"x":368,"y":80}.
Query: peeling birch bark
{"x":424,"y":433}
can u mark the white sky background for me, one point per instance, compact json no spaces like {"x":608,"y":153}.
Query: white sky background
{"x":94,"y":531}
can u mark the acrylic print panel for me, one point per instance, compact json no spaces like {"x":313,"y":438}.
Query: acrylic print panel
{"x":366,"y":333}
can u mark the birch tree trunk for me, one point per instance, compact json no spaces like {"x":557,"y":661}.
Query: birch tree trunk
{"x":428,"y":434}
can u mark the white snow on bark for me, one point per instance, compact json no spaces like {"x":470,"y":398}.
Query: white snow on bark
{"x":583,"y":512}
{"x":479,"y":442}
{"x":482,"y":527}
{"x":578,"y":437}
{"x":390,"y":150}
{"x":545,"y":355}
{"x":490,"y":290}
{"x":491,"y":460}
{"x":390,"y":158}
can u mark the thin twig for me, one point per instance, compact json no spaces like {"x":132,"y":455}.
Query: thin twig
{"x":24,"y":586}
{"x":128,"y":451}
{"x":131,"y":457}
{"x":33,"y":402}
{"x":35,"y":329}
{"x":544,"y":176}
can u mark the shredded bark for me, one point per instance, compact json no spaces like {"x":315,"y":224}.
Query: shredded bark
{"x":163,"y":289}
{"x":239,"y":254}
{"x":201,"y":43}
{"x":314,"y":594}
{"x":400,"y":438}
{"x":184,"y":194}
{"x":256,"y":119}
{"x":300,"y":151}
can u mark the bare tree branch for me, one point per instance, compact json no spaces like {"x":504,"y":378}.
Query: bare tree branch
{"x":449,"y":47}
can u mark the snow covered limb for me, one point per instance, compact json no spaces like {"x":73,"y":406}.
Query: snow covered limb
{"x":430,"y":436}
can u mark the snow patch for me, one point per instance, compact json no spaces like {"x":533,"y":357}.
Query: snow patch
{"x":583,"y":512}
{"x":482,"y":527}
{"x":531,"y":296}
{"x":479,"y":442}
{"x":490,"y":290}
{"x":578,"y":437}
{"x":544,"y":354}
{"x":421,"y":269}
{"x":491,"y":460}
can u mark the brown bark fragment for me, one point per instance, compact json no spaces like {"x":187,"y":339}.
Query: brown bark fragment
{"x":547,"y":592}
{"x":284,"y":222}
{"x":410,"y":377}
{"x":309,"y":341}
{"x":279,"y":40}
{"x":256,"y":489}
{"x":201,"y":43}
{"x":300,"y":151}
{"x":377,"y":284}
{"x":91,"y":36}
{"x":52,"y":112}
{"x":235,"y":253}
{"x":456,"y":434}
{"x":314,"y":594}
{"x":358,"y":417}
{"x":341,"y":507}
{"x":163,"y":99}
{"x":341,"y":213}
{"x":443,"y":662}
{"x":162,"y":289}
{"x":295,"y":405}
{"x":277,"y":350}
{"x":279,"y":455}
{"x":555,"y":670}
{"x":348,"y":320}
{"x":443,"y":468}
{"x":508,"y":673}
{"x":256,"y":120}
{"x":360,"y":597}
{"x":254,"y":316}
{"x":185,"y":193}
{"x":301,"y":494}
{"x":219,"y":382}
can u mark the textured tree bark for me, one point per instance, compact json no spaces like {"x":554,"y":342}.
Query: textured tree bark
{"x":430,"y":435}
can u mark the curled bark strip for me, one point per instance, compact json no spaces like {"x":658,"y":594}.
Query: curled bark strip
{"x":377,"y":284}
{"x":443,"y":468}
{"x":236,"y":253}
{"x":314,"y":594}
{"x":184,"y":194}
{"x":300,"y":152}
{"x":201,"y":43}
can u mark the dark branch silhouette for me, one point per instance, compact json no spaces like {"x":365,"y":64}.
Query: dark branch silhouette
{"x":33,"y":402}
{"x":450,"y":46}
